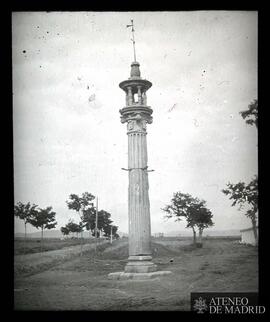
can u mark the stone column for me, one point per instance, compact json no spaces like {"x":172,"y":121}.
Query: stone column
{"x":137,"y":115}
{"x":139,"y":95}
{"x":144,"y":98}
{"x":127,"y":98}
{"x":130,"y":97}
{"x":138,"y":200}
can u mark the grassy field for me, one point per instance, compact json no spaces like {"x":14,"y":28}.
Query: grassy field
{"x":222,"y":265}
{"x":33,"y":245}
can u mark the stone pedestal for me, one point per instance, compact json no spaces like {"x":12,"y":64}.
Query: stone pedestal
{"x":140,"y":264}
{"x":137,"y":276}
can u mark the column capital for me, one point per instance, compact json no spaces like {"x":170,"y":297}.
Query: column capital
{"x":137,"y":113}
{"x":136,"y":126}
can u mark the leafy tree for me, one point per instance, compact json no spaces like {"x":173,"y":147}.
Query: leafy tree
{"x":73,"y":227}
{"x":44,"y":219}
{"x":80,"y":204}
{"x":24,"y":212}
{"x":114,"y":232}
{"x":89,"y":218}
{"x":204,"y":220}
{"x":65,"y":231}
{"x":87,"y":212}
{"x":103,"y":224}
{"x":245,"y":195}
{"x":193,"y":210}
{"x":181,"y":207}
{"x":80,"y":228}
{"x":111,"y":229}
{"x":251,"y":114}
{"x":199,"y":217}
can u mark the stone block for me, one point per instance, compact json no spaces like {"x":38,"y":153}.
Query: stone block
{"x":140,"y":267}
{"x":137,"y":276}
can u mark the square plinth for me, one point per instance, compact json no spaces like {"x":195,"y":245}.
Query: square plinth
{"x":137,"y":276}
{"x":140,"y":267}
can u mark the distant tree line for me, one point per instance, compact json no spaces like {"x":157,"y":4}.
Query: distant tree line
{"x":45,"y":218}
{"x":87,"y":212}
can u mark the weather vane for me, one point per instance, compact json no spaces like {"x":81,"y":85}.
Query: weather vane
{"x":133,"y":39}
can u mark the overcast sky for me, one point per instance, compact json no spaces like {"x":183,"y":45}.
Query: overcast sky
{"x":68,"y":137}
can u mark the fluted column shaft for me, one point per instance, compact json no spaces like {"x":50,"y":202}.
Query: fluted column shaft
{"x":139,"y":207}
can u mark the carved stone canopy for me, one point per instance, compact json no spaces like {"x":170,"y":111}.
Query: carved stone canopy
{"x":134,"y":83}
{"x":135,"y":80}
{"x":136,"y":100}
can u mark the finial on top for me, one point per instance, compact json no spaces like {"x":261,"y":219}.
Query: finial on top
{"x":135,"y":70}
{"x":133,"y":39}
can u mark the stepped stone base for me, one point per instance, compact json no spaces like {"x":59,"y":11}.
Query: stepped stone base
{"x":140,"y":264}
{"x":137,"y":276}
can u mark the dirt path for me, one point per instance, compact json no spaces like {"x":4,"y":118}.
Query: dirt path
{"x":33,"y":263}
{"x":82,"y":283}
